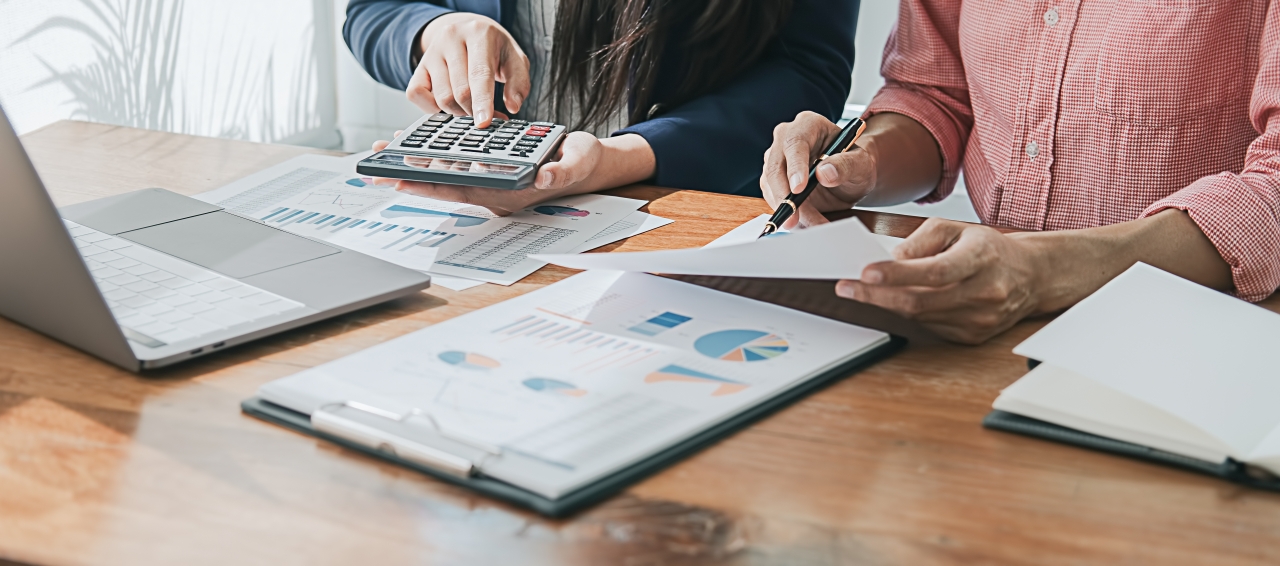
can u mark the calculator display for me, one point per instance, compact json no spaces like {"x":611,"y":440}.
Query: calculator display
{"x":449,"y":164}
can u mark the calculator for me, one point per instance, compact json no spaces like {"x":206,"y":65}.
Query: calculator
{"x":443,"y":148}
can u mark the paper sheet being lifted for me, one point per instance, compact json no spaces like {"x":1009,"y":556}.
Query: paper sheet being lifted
{"x":839,"y":250}
{"x":750,"y":231}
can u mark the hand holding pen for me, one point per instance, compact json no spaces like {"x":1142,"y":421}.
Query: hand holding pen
{"x":844,"y":141}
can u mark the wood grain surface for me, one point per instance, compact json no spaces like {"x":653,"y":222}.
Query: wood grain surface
{"x":889,"y":466}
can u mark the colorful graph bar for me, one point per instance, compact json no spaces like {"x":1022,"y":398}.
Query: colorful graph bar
{"x":659,"y":324}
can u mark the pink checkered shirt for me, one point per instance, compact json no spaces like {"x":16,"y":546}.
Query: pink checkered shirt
{"x":1072,"y":114}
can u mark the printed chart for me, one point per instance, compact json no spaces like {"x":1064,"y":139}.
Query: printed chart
{"x":349,"y":202}
{"x":319,"y":197}
{"x":551,"y":210}
{"x":582,"y":350}
{"x":368,"y":182}
{"x":673,"y":372}
{"x":554,"y":387}
{"x":402,"y":211}
{"x":659,"y":324}
{"x":505,"y":248}
{"x":469,"y":360}
{"x":741,"y":345}
{"x":384,"y":236}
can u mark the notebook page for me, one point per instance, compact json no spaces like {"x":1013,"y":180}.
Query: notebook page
{"x":1201,"y":355}
{"x":1066,"y":398}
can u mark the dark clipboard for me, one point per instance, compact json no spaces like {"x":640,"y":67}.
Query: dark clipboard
{"x":607,"y":486}
{"x":1230,"y":470}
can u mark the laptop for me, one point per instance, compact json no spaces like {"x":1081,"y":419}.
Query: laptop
{"x":151,"y":278}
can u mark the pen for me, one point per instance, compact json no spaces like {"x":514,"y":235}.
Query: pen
{"x":843,"y":142}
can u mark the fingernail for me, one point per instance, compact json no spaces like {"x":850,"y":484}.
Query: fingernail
{"x":827,"y":173}
{"x":547,"y":178}
{"x":797,"y":180}
{"x":844,"y":289}
{"x":482,"y":116}
{"x":873,"y":276}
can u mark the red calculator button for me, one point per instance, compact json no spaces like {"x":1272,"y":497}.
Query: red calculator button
{"x":536,"y":133}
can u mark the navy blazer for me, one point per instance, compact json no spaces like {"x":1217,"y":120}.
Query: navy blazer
{"x":715,"y":142}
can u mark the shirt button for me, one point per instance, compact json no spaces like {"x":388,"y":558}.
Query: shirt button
{"x":1033,"y":149}
{"x":1051,"y":17}
{"x":547,"y":42}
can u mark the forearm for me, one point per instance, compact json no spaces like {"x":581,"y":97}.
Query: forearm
{"x":624,"y":160}
{"x":908,"y":164}
{"x":1072,"y":264}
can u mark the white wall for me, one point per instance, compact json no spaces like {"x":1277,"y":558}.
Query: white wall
{"x":259,"y":70}
{"x":875,"y":21}
{"x":367,"y":110}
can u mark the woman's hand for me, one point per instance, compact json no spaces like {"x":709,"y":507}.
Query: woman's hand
{"x":843,"y":179}
{"x":582,"y":164}
{"x":966,"y":282}
{"x":462,"y":55}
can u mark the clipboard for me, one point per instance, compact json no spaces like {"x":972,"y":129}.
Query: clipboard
{"x":459,"y":467}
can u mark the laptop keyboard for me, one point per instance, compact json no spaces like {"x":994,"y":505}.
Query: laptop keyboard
{"x":158,"y":299}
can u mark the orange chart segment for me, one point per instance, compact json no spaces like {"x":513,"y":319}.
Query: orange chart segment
{"x":673,"y":372}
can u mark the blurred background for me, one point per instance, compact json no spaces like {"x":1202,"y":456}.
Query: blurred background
{"x":257,"y":70}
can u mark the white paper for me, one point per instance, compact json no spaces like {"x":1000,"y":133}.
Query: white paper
{"x":320,"y":197}
{"x":1203,"y":356}
{"x":588,"y":375}
{"x":839,"y":250}
{"x":637,"y":223}
{"x":750,"y":231}
{"x":454,"y":283}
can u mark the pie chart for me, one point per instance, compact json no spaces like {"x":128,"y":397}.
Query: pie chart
{"x":468,"y":360}
{"x":553,"y":386}
{"x":552,"y":210}
{"x":741,"y":345}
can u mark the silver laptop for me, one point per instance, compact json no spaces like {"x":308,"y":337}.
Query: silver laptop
{"x":150,"y":278}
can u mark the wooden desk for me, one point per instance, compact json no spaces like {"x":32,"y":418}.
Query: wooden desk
{"x":891,"y":466}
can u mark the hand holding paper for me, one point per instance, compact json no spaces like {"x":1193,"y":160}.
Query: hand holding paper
{"x":839,"y":250}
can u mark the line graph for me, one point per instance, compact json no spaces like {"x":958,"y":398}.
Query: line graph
{"x":346,"y":201}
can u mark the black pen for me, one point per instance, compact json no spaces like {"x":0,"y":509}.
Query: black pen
{"x":843,"y":142}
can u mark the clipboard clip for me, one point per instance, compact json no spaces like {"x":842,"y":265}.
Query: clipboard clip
{"x":329,"y":420}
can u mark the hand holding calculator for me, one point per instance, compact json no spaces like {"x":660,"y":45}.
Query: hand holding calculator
{"x":442,"y":148}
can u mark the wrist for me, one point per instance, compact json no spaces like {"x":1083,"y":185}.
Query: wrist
{"x":624,"y":160}
{"x":1069,"y":265}
{"x":907,"y":164}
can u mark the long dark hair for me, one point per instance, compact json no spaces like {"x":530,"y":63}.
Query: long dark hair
{"x":607,"y":50}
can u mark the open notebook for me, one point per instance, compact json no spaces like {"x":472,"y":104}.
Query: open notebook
{"x":560,"y":397}
{"x":1157,"y":367}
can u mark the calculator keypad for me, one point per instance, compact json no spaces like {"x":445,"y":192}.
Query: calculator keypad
{"x":503,"y":138}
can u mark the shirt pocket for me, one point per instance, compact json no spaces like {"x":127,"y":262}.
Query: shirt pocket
{"x":1162,"y":61}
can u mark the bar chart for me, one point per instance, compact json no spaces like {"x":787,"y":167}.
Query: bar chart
{"x":386,"y":236}
{"x":583,"y":349}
